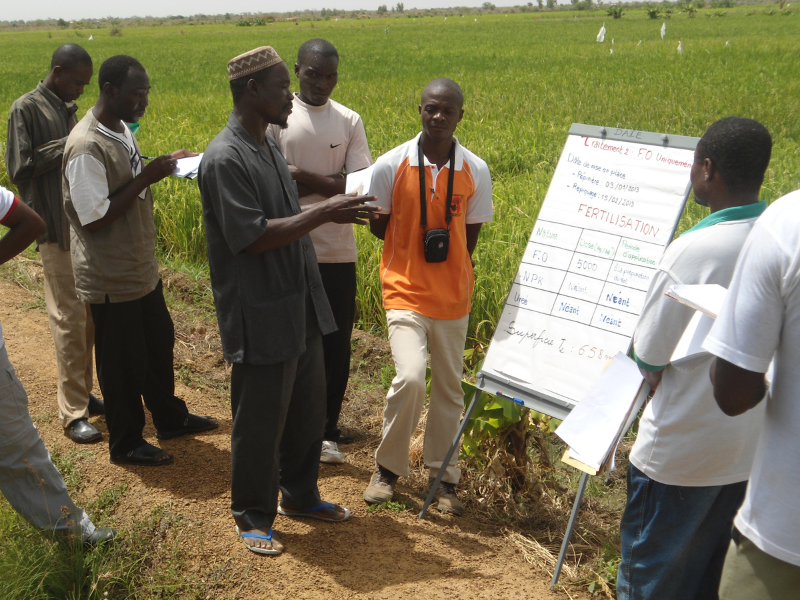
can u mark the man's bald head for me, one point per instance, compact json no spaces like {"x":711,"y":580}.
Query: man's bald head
{"x":444,"y":87}
{"x":70,"y":72}
{"x":70,"y":56}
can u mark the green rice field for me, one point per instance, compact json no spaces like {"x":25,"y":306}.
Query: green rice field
{"x":526,"y":78}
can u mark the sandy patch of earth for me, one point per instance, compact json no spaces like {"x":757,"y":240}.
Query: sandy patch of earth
{"x":374,"y":555}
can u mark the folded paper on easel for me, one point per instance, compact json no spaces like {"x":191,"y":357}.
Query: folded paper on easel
{"x":594,"y":427}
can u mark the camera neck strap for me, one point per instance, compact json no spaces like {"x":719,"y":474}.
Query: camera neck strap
{"x":423,"y":195}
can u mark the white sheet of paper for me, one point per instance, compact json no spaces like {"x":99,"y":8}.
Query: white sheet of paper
{"x":188,"y":166}
{"x":359,"y":181}
{"x":707,"y":297}
{"x":593,"y":426}
{"x":691,"y":343}
{"x":637,"y":405}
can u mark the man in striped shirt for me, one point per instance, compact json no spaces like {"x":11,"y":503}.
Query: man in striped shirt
{"x":38,"y":126}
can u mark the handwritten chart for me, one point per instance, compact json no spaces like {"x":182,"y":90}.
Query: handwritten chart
{"x":611,"y":209}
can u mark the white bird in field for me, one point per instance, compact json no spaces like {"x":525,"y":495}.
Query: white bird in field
{"x":640,"y":43}
{"x":663,"y":30}
{"x":612,"y":51}
{"x":91,"y":37}
{"x":445,"y":18}
{"x":476,"y":20}
{"x":680,"y":47}
{"x":728,"y":44}
{"x":601,"y":36}
{"x":612,"y":41}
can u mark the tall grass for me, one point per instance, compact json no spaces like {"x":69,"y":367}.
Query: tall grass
{"x":525,"y":78}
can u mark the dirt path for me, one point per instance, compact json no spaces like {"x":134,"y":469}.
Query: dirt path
{"x":374,"y":555}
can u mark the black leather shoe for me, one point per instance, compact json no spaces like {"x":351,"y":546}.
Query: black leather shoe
{"x":100,"y":536}
{"x":81,"y":431}
{"x":96,"y":406}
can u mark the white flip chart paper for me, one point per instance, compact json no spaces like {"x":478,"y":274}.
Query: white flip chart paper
{"x":609,"y":213}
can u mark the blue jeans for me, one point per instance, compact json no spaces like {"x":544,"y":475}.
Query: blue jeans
{"x":674,"y":539}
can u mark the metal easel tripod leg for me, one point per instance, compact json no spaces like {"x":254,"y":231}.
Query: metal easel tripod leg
{"x":449,"y":455}
{"x":568,"y":534}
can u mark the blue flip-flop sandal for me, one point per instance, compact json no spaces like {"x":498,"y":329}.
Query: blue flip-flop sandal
{"x":256,"y":549}
{"x":313,"y":514}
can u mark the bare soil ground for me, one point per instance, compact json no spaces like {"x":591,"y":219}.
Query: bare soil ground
{"x":375,"y":555}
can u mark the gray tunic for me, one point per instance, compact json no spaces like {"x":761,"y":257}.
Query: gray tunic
{"x":261,"y":300}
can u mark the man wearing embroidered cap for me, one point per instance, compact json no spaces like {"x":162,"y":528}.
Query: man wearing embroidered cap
{"x":271,"y":305}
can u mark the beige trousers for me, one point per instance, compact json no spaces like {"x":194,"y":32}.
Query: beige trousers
{"x":73,"y":334}
{"x":410,"y":336}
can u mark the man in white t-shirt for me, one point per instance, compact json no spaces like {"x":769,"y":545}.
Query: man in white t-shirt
{"x":759,"y":324}
{"x":323,"y":141}
{"x":689,"y":467}
{"x":28,"y":478}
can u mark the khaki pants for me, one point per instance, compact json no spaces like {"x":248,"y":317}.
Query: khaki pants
{"x":73,"y":334}
{"x":752,"y":574}
{"x":28,"y":479}
{"x":410,"y":335}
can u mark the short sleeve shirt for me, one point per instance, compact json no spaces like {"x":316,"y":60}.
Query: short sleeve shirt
{"x":760,"y":323}
{"x":437,"y":290}
{"x":325,"y":140}
{"x":684,"y":438}
{"x":261,"y":300}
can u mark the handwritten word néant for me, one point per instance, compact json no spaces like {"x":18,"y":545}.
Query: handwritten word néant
{"x":611,"y":320}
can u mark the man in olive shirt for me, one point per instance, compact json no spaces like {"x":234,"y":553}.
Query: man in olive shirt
{"x":108,"y":201}
{"x":38,"y":125}
{"x":271,"y":304}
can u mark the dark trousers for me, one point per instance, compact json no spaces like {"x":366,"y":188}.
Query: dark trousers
{"x":133,"y":349}
{"x":278,"y":419}
{"x":339,"y":280}
{"x":674,"y":539}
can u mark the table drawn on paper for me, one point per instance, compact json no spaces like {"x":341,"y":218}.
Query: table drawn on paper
{"x":575,"y":300}
{"x":578,"y":274}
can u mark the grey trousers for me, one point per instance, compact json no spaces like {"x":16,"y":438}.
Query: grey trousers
{"x":28,"y":478}
{"x":278,"y":422}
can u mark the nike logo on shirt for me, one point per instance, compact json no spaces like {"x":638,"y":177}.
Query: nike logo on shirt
{"x":336,"y":146}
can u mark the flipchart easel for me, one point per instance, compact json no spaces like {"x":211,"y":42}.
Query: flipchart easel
{"x":603,"y":172}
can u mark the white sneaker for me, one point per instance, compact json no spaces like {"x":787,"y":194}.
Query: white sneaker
{"x":330,"y":453}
